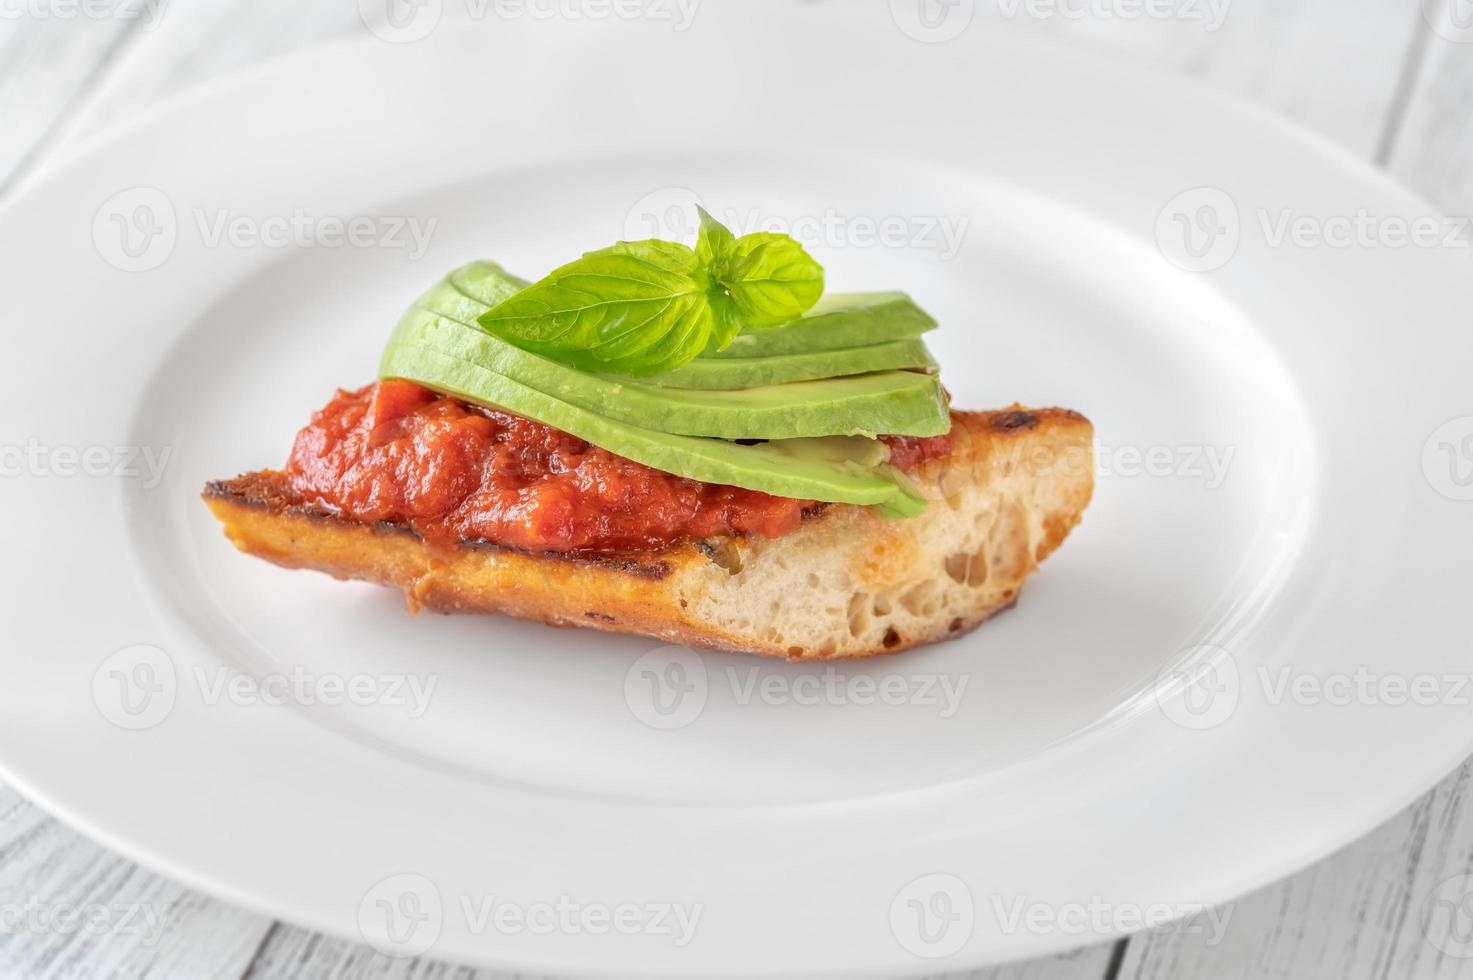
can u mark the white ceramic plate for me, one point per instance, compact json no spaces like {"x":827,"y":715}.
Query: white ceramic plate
{"x":1285,"y":433}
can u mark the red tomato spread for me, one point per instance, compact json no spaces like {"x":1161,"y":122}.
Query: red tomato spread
{"x":909,"y":452}
{"x":394,"y":451}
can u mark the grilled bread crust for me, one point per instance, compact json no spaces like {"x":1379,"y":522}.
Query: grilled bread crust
{"x":848,"y":583}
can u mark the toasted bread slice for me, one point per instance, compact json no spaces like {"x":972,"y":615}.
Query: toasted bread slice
{"x":848,"y":583}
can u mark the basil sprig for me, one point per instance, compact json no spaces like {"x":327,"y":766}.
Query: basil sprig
{"x":640,"y":308}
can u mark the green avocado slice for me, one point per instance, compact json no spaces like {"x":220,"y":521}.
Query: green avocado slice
{"x":483,"y":284}
{"x":837,"y":321}
{"x":886,"y":402}
{"x":734,"y":373}
{"x":804,"y":469}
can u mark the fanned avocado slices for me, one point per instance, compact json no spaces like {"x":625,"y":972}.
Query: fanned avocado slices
{"x":890,"y":402}
{"x":799,"y":470}
{"x":816,"y":390}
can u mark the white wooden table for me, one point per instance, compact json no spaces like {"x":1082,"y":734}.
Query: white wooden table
{"x":1372,"y":75}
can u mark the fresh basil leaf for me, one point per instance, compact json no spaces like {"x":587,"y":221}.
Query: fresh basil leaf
{"x":715,"y":240}
{"x":770,"y":278}
{"x":713,"y":244}
{"x":726,"y":322}
{"x":687,"y":330}
{"x":640,"y":308}
{"x":633,"y":307}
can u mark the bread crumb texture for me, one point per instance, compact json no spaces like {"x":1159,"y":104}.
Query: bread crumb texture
{"x":854,"y":584}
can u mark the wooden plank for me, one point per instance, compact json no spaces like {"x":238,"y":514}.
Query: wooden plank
{"x":297,"y":954}
{"x":69,"y":910}
{"x":1390,"y":905}
{"x":290,"y":953}
{"x":1089,"y":963}
{"x":1434,"y":147}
